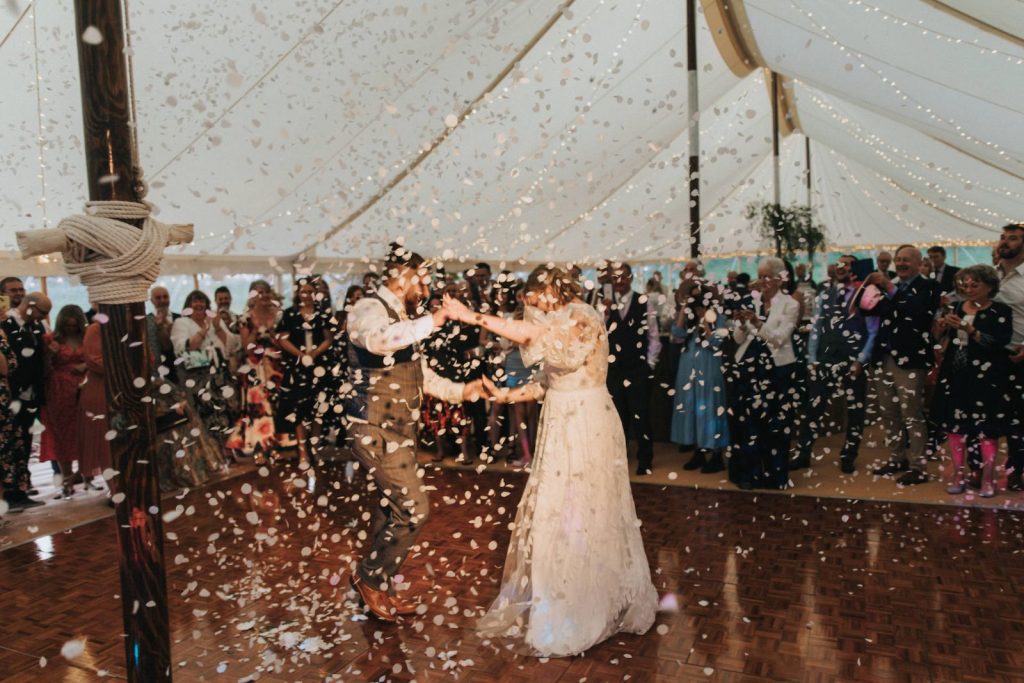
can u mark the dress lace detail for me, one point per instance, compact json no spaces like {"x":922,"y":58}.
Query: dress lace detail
{"x":576,"y":572}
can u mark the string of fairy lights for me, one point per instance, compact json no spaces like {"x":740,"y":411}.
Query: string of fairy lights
{"x":948,"y":123}
{"x":554,"y":148}
{"x":323,"y":164}
{"x":889,"y":155}
{"x":675,"y":189}
{"x":241,"y":230}
{"x":297,"y":214}
{"x":524,"y":198}
{"x":885,"y":206}
{"x":40,"y":124}
{"x":522,"y":231}
{"x":322,"y":203}
{"x":918,"y":24}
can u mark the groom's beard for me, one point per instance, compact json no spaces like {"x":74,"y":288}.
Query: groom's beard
{"x":415,"y":309}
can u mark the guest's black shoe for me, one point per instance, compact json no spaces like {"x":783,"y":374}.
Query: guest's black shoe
{"x":912,"y":478}
{"x":642,"y":471}
{"x":745,"y":486}
{"x":891,"y":468}
{"x":801,"y":462}
{"x":1014,"y":483}
{"x":24,"y":503}
{"x":696,"y":462}
{"x":847,"y":466}
{"x":714,"y":464}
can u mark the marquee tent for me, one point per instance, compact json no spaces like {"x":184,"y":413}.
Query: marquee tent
{"x":527,"y":130}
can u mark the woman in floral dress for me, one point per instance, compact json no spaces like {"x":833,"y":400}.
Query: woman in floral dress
{"x":10,"y":437}
{"x":255,"y":434}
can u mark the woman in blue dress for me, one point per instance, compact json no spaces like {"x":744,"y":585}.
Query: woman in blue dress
{"x":699,"y":416}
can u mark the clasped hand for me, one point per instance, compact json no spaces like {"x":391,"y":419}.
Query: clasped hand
{"x":456,"y":310}
{"x":484,"y":388}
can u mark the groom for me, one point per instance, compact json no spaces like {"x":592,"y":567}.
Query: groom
{"x":390,"y":377}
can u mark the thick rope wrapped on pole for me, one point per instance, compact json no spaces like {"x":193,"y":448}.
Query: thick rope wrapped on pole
{"x":115,"y":260}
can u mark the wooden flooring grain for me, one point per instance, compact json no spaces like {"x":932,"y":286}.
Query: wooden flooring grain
{"x":755,"y":587}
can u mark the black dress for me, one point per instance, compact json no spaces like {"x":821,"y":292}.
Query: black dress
{"x":304,"y":388}
{"x":972,"y":396}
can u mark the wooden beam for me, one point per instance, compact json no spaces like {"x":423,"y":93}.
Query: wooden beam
{"x":776,"y":169}
{"x":110,"y":176}
{"x":693,"y":123}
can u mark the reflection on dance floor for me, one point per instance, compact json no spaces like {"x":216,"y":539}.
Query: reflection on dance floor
{"x":752,"y":587}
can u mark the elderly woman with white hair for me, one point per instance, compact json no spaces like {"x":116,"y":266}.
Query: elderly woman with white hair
{"x":773,"y":318}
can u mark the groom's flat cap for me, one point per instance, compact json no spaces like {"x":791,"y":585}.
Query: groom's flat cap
{"x":399,"y":257}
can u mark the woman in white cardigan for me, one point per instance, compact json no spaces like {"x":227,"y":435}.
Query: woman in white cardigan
{"x":774,"y":319}
{"x":202,"y":345}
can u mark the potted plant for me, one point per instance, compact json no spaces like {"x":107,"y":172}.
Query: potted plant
{"x":792,"y":228}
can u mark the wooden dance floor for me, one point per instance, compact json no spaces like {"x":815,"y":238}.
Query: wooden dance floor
{"x":755,"y":587}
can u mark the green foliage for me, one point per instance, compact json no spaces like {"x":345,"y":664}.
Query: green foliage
{"x":792,"y":228}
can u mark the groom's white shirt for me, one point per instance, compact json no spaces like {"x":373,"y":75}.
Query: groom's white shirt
{"x":370,"y":328}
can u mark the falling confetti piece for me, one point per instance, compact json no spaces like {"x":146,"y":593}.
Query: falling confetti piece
{"x":92,"y":36}
{"x":73,"y":649}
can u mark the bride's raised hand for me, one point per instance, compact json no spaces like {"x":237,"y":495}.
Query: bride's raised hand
{"x":456,"y":309}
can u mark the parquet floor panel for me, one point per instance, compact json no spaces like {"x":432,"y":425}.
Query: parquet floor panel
{"x":754,"y":587}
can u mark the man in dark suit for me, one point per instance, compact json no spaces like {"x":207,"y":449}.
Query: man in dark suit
{"x":842,"y":342}
{"x":24,"y":329}
{"x":634,"y":346}
{"x":884,"y":263}
{"x":941,"y":273}
{"x":602,"y":288}
{"x":160,"y":322}
{"x":903,"y":356}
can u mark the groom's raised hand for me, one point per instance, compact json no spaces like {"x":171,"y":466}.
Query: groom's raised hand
{"x":440,"y":317}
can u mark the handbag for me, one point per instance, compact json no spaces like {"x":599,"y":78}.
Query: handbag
{"x":195,"y":360}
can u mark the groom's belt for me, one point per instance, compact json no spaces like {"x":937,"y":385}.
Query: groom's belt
{"x":372,"y":361}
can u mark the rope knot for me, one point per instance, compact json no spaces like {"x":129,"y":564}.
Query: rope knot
{"x":115,"y":260}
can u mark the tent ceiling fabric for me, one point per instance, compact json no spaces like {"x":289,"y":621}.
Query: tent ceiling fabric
{"x":269,"y":126}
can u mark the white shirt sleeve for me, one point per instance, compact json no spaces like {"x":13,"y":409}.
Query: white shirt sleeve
{"x":439,"y":387}
{"x":778,"y":329}
{"x":181,"y":330}
{"x":370,"y":328}
{"x":653,"y":337}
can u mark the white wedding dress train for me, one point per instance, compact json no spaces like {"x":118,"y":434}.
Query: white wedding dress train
{"x":576,"y":572}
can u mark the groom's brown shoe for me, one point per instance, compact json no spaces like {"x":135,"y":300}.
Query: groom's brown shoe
{"x":402,"y":607}
{"x":378,"y":602}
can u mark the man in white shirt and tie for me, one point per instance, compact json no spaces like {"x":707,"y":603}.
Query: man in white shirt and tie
{"x":389,"y":378}
{"x":634,"y":346}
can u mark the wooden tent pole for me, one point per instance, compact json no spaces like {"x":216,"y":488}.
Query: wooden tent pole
{"x":807,"y":156}
{"x":108,"y":152}
{"x":693,"y":110}
{"x":775,"y":153}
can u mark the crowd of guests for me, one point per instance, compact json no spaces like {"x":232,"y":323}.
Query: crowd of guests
{"x":934,"y":353}
{"x":752,"y":372}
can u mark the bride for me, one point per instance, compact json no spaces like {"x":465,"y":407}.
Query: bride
{"x":576,"y":572}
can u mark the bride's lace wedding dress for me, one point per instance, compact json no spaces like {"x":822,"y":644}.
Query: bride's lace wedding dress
{"x":576,"y":572}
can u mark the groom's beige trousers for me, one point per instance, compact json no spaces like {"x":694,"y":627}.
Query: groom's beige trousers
{"x":386,"y":446}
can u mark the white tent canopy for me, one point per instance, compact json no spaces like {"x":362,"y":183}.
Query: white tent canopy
{"x":514,"y":130}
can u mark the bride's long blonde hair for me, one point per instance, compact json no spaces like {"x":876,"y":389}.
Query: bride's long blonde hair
{"x":553,"y":282}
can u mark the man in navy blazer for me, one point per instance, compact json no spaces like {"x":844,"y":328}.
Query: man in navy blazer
{"x":904,"y":353}
{"x":941,"y":273}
